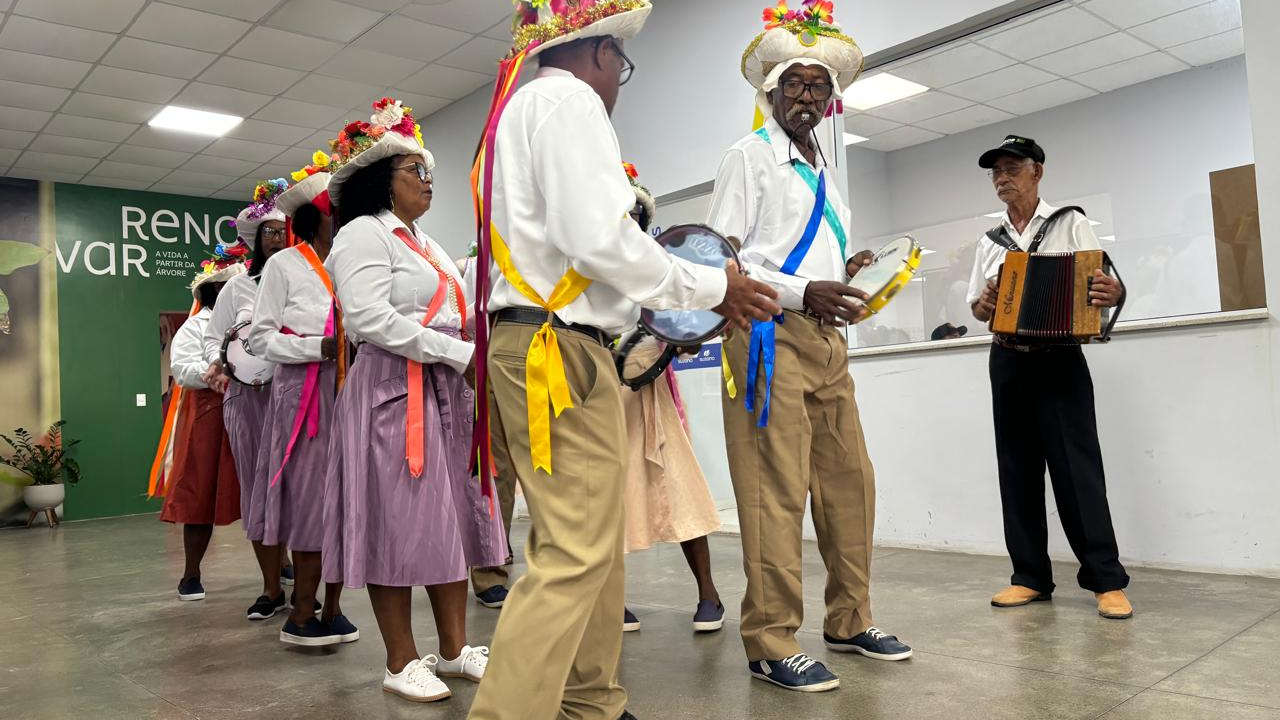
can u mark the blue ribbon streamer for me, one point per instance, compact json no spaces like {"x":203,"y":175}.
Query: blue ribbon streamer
{"x":761,"y":356}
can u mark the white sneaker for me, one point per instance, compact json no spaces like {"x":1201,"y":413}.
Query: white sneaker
{"x":417,"y":682}
{"x":470,"y":664}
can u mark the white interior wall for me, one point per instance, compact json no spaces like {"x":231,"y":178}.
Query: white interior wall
{"x":1188,"y":417}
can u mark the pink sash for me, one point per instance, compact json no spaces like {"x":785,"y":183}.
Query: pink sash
{"x":308,"y":404}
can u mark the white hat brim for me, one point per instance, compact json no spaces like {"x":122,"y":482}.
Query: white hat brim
{"x":302,"y":193}
{"x":219,"y":276}
{"x":247,"y":229}
{"x":624,"y":26}
{"x":780,"y":45}
{"x":389,"y":145}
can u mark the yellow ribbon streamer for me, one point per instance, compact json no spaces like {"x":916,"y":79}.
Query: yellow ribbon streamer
{"x":546,"y":387}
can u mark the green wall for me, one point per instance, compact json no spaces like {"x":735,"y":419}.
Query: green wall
{"x":124,"y":257}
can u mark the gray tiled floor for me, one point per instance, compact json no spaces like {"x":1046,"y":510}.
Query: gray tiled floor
{"x":92,"y":628}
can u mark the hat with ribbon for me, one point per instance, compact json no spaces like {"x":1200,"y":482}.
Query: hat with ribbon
{"x":806,"y":36}
{"x":542,"y":24}
{"x":310,"y":186}
{"x":391,"y":131}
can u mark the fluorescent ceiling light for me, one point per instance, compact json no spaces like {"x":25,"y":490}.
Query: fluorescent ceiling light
{"x":851,"y":139}
{"x":926,"y":251}
{"x":880,"y":90}
{"x":996,"y":215}
{"x":196,"y":122}
{"x":1107,"y":238}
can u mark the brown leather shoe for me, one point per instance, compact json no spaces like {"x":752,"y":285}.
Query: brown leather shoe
{"x":1114,"y":605}
{"x":1016,"y":596}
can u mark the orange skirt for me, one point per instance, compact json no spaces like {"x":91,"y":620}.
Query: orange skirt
{"x":203,"y":489}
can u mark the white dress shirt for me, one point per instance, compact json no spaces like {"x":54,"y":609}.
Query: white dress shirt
{"x":762,"y":200}
{"x":234,"y":306}
{"x":384,"y":288}
{"x":1068,"y":234}
{"x":290,"y":295}
{"x":561,"y":200}
{"x":186,"y":353}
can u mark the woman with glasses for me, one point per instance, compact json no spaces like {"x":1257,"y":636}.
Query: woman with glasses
{"x":401,"y":507}
{"x":294,"y":326}
{"x":245,"y":407}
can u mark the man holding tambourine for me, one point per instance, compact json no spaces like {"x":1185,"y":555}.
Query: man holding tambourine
{"x":791,"y":421}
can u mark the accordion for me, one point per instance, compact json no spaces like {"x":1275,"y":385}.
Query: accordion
{"x":1045,"y":296}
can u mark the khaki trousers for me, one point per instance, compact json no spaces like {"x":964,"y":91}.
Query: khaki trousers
{"x":813,"y":447}
{"x":556,"y":649}
{"x":504,"y":483}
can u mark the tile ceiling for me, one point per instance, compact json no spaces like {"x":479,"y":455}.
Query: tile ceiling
{"x":1066,"y":52}
{"x":79,"y":79}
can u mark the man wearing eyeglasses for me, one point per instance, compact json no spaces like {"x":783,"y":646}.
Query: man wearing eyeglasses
{"x":572,"y":272}
{"x":1043,"y":400}
{"x":791,"y":421}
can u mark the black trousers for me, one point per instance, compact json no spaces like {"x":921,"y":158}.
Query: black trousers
{"x":1044,"y":415}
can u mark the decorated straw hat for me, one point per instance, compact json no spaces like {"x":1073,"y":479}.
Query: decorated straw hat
{"x":807,"y":36}
{"x":227,"y":262}
{"x":391,"y":131}
{"x":643,"y":196}
{"x":262,"y":209}
{"x":542,"y":24}
{"x":310,"y":186}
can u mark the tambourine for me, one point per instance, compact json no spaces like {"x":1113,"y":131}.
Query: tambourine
{"x":239,"y":362}
{"x":699,"y":245}
{"x":889,"y":272}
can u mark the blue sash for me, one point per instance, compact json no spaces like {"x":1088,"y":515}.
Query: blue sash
{"x":762,"y":351}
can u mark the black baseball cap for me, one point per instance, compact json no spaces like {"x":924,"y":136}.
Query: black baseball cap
{"x":942,"y":331}
{"x":1014,"y":145}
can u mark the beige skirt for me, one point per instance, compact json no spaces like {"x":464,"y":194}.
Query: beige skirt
{"x":667,"y":498}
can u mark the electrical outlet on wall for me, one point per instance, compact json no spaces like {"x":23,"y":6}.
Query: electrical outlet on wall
{"x":142,"y":399}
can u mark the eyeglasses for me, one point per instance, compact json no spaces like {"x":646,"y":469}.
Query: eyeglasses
{"x":794,"y":89}
{"x":424,"y":175}
{"x":272,"y":233}
{"x":1010,"y":171}
{"x":628,"y":67}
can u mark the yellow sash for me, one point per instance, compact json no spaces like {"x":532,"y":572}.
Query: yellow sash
{"x":546,"y":387}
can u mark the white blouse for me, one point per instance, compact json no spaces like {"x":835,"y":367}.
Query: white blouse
{"x":1070,"y":234}
{"x":384,"y":288}
{"x":186,"y":353}
{"x":234,"y":306}
{"x":290,"y":295}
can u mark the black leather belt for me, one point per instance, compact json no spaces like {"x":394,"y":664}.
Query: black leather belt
{"x":531,"y":316}
{"x":1017,"y":344}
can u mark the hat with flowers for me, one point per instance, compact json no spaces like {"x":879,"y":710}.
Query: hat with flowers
{"x":391,"y":131}
{"x":808,"y":35}
{"x":263,"y":208}
{"x":643,"y":196}
{"x":542,"y":24}
{"x":310,"y":186}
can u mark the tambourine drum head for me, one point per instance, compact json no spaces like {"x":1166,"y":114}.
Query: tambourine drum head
{"x":699,"y":245}
{"x":885,"y":267}
{"x":247,"y":368}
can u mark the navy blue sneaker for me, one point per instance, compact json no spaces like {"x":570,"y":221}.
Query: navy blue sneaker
{"x":343,"y":628}
{"x":798,"y":672}
{"x":313,"y":633}
{"x":264,"y":607}
{"x":709,"y":617}
{"x":872,"y":643}
{"x":190,"y":589}
{"x":494,"y":597}
{"x":286,"y":575}
{"x":630,"y":623}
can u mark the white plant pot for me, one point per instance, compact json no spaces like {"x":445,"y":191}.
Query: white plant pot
{"x":43,"y":497}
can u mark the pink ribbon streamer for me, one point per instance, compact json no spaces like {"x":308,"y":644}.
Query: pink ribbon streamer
{"x":675,"y":396}
{"x":308,"y":403}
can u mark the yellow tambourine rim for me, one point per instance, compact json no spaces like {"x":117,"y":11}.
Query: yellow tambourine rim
{"x":905,"y":273}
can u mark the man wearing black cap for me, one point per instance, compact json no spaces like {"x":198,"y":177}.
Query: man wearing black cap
{"x":947,"y":331}
{"x":1043,"y":400}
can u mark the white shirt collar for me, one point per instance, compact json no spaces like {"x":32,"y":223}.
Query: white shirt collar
{"x":1043,"y":211}
{"x":781,"y":144}
{"x":553,"y":72}
{"x":392,"y":221}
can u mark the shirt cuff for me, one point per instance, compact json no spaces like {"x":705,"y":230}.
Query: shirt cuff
{"x":458,"y":354}
{"x":711,"y":285}
{"x":313,"y":347}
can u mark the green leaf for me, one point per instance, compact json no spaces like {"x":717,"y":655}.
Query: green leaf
{"x":18,"y":481}
{"x":14,"y":255}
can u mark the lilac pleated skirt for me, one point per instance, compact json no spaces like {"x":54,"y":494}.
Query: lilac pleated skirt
{"x":382,"y":526}
{"x":291,"y":509}
{"x":244,"y":414}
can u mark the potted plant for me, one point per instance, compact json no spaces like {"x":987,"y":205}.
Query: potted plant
{"x":48,"y":466}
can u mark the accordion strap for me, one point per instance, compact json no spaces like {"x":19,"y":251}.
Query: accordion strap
{"x":1124,"y":294}
{"x":1000,"y":234}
